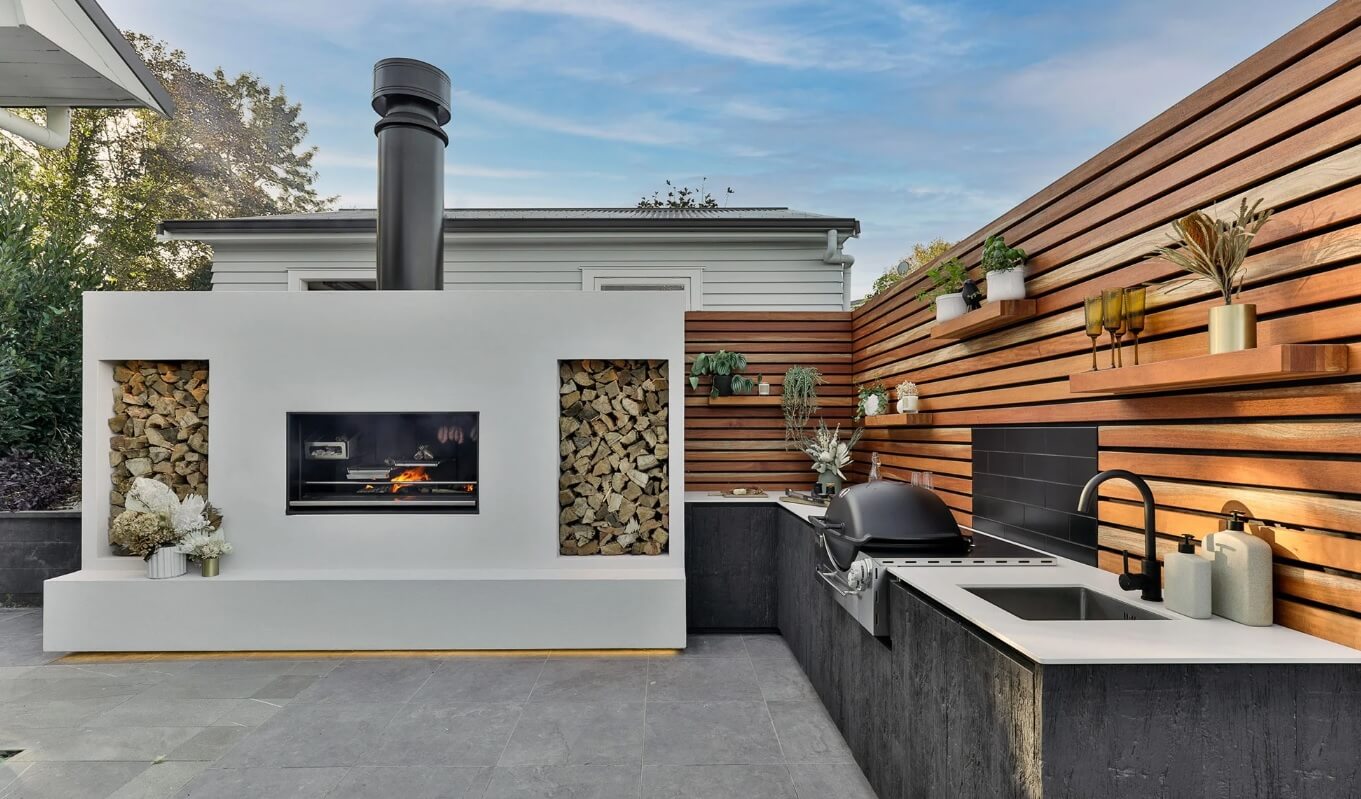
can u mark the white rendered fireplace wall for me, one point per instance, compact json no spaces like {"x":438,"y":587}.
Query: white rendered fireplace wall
{"x":436,"y":581}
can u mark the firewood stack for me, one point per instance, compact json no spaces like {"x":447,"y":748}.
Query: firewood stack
{"x":614,"y":486}
{"x":159,"y":426}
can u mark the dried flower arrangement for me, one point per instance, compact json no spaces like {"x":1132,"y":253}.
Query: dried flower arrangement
{"x":1214,"y":249}
{"x":156,"y":518}
{"x":205,"y":546}
{"x":829,"y":453}
{"x":907,"y":389}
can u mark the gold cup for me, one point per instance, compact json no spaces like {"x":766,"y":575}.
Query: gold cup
{"x":208,"y":567}
{"x":1233,"y":328}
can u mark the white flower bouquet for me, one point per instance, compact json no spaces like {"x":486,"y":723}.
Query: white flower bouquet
{"x":828,"y":451}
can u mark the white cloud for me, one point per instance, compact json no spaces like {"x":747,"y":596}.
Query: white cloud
{"x":638,"y":129}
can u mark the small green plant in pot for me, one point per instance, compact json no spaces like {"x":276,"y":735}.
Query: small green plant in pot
{"x":872,"y":401}
{"x":947,"y":282}
{"x":1004,"y":268}
{"x":1214,"y":250}
{"x":724,"y":368}
{"x":799,"y":401}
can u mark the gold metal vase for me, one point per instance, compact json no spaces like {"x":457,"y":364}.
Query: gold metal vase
{"x":208,"y":567}
{"x":1233,"y":328}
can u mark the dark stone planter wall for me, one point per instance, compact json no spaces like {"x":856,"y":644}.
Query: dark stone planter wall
{"x":36,"y":545}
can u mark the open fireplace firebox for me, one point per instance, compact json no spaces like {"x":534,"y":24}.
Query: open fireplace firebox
{"x":382,"y":462}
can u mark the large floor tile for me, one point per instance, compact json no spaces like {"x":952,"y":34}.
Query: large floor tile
{"x":781,"y":679}
{"x":56,"y":712}
{"x":823,"y":780}
{"x":249,"y":713}
{"x":480,"y":679}
{"x":583,"y":679}
{"x":159,"y":781}
{"x":767,"y":646}
{"x":156,"y":710}
{"x":395,"y":680}
{"x":430,"y":735}
{"x":564,"y":782}
{"x":577,"y":733}
{"x":719,"y":782}
{"x":412,"y":782}
{"x":710,"y":646}
{"x":702,"y":733}
{"x":274,"y":783}
{"x":96,"y":743}
{"x":210,"y":744}
{"x":200,"y":685}
{"x":71,"y":780}
{"x":312,"y":735}
{"x":702,"y":679}
{"x":807,"y":734}
{"x":285,"y":686}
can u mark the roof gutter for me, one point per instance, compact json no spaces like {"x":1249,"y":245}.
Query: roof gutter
{"x":836,"y":257}
{"x":53,"y":135}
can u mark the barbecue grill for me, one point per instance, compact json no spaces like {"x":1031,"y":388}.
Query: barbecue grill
{"x":887,"y":518}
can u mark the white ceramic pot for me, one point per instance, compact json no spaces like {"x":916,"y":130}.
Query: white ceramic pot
{"x":167,"y":562}
{"x":950,"y":306}
{"x":908,"y":404}
{"x":872,"y":405}
{"x":763,"y":389}
{"x":1008,"y":285}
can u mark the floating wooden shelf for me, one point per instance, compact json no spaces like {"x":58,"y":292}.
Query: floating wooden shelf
{"x":1263,"y":365}
{"x":746,"y":399}
{"x":897,"y":420}
{"x":990,"y":317}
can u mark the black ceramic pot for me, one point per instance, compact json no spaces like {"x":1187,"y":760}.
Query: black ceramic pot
{"x":723,"y":385}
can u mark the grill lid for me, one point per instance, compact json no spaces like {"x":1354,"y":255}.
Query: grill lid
{"x":891,"y":517}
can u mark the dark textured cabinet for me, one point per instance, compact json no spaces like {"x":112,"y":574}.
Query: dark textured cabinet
{"x":947,"y":712}
{"x":729,"y":566}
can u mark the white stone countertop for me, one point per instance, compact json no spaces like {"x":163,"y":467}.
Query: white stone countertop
{"x":1177,"y":639}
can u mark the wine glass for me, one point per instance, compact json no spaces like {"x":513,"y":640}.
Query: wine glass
{"x":1135,"y":298}
{"x":1113,"y":318}
{"x":1094,"y":319}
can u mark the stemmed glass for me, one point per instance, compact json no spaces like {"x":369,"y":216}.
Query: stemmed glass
{"x":1094,"y":320}
{"x":1134,"y":315}
{"x":1113,"y":318}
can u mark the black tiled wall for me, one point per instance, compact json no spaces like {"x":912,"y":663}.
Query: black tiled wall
{"x":1026,"y":483}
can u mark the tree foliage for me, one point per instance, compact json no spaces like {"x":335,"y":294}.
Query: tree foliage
{"x":43,"y":273}
{"x":234,"y":148}
{"x":683,"y":197}
{"x":921,"y":254}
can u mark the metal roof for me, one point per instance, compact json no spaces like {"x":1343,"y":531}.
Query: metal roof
{"x":69,"y":53}
{"x":364,"y":220}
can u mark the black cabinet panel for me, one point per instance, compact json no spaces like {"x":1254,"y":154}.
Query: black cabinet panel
{"x":730,"y":566}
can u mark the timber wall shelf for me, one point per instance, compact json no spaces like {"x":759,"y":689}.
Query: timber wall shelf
{"x":1263,"y":365}
{"x":897,"y":420}
{"x":746,"y":399}
{"x":990,"y":317}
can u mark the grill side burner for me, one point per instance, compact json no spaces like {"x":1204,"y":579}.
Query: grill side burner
{"x":382,"y":462}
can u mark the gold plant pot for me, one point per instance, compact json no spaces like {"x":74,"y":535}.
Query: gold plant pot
{"x":208,"y":567}
{"x":1233,"y":328}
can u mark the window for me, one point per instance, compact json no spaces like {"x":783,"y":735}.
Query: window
{"x":644,"y":278}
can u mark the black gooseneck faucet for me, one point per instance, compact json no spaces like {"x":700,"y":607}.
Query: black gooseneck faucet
{"x":1149,"y":581}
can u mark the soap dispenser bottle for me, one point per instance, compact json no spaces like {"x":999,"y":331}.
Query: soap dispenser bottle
{"x":1240,"y":574}
{"x":1186,"y":589}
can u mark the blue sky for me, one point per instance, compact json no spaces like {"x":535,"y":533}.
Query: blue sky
{"x":921,"y":119}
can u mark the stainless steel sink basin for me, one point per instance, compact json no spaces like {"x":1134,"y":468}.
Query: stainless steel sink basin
{"x":1061,"y":603}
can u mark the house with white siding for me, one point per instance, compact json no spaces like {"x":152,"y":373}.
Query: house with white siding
{"x":722,"y":258}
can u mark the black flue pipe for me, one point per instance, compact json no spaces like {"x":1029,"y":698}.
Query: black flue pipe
{"x":412,"y":97}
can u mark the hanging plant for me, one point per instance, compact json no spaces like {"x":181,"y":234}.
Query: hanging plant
{"x":799,"y":401}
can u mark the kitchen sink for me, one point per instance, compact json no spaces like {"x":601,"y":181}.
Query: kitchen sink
{"x":1061,"y":603}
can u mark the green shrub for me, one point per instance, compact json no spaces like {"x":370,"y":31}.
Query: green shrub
{"x":42,"y":277}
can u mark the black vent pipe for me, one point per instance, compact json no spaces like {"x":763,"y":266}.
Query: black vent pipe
{"x":412,"y":97}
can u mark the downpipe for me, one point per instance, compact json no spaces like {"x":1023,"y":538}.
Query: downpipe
{"x":54,"y":135}
{"x":836,"y":257}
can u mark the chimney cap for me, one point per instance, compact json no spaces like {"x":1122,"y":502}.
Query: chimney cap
{"x":396,"y":77}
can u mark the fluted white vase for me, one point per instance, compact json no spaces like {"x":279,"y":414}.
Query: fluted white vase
{"x":166,"y":562}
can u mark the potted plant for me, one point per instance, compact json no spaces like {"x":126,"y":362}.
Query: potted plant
{"x":907,"y":397}
{"x":1004,"y":268}
{"x":799,"y":400}
{"x":872,"y":401}
{"x":1214,"y":250}
{"x":762,"y":387}
{"x":830,"y":455}
{"x":947,"y":283}
{"x":724,"y":367}
{"x":206,"y":547}
{"x":155,"y":523}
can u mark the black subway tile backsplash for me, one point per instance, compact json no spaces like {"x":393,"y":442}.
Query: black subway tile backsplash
{"x":1026,"y":484}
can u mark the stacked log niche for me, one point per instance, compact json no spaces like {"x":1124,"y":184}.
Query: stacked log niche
{"x":614,"y":483}
{"x":159,"y":427}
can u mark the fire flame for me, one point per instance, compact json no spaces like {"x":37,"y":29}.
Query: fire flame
{"x":415,"y":474}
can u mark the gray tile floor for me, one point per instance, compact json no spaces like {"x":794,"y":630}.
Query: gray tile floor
{"x":733,"y":716}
